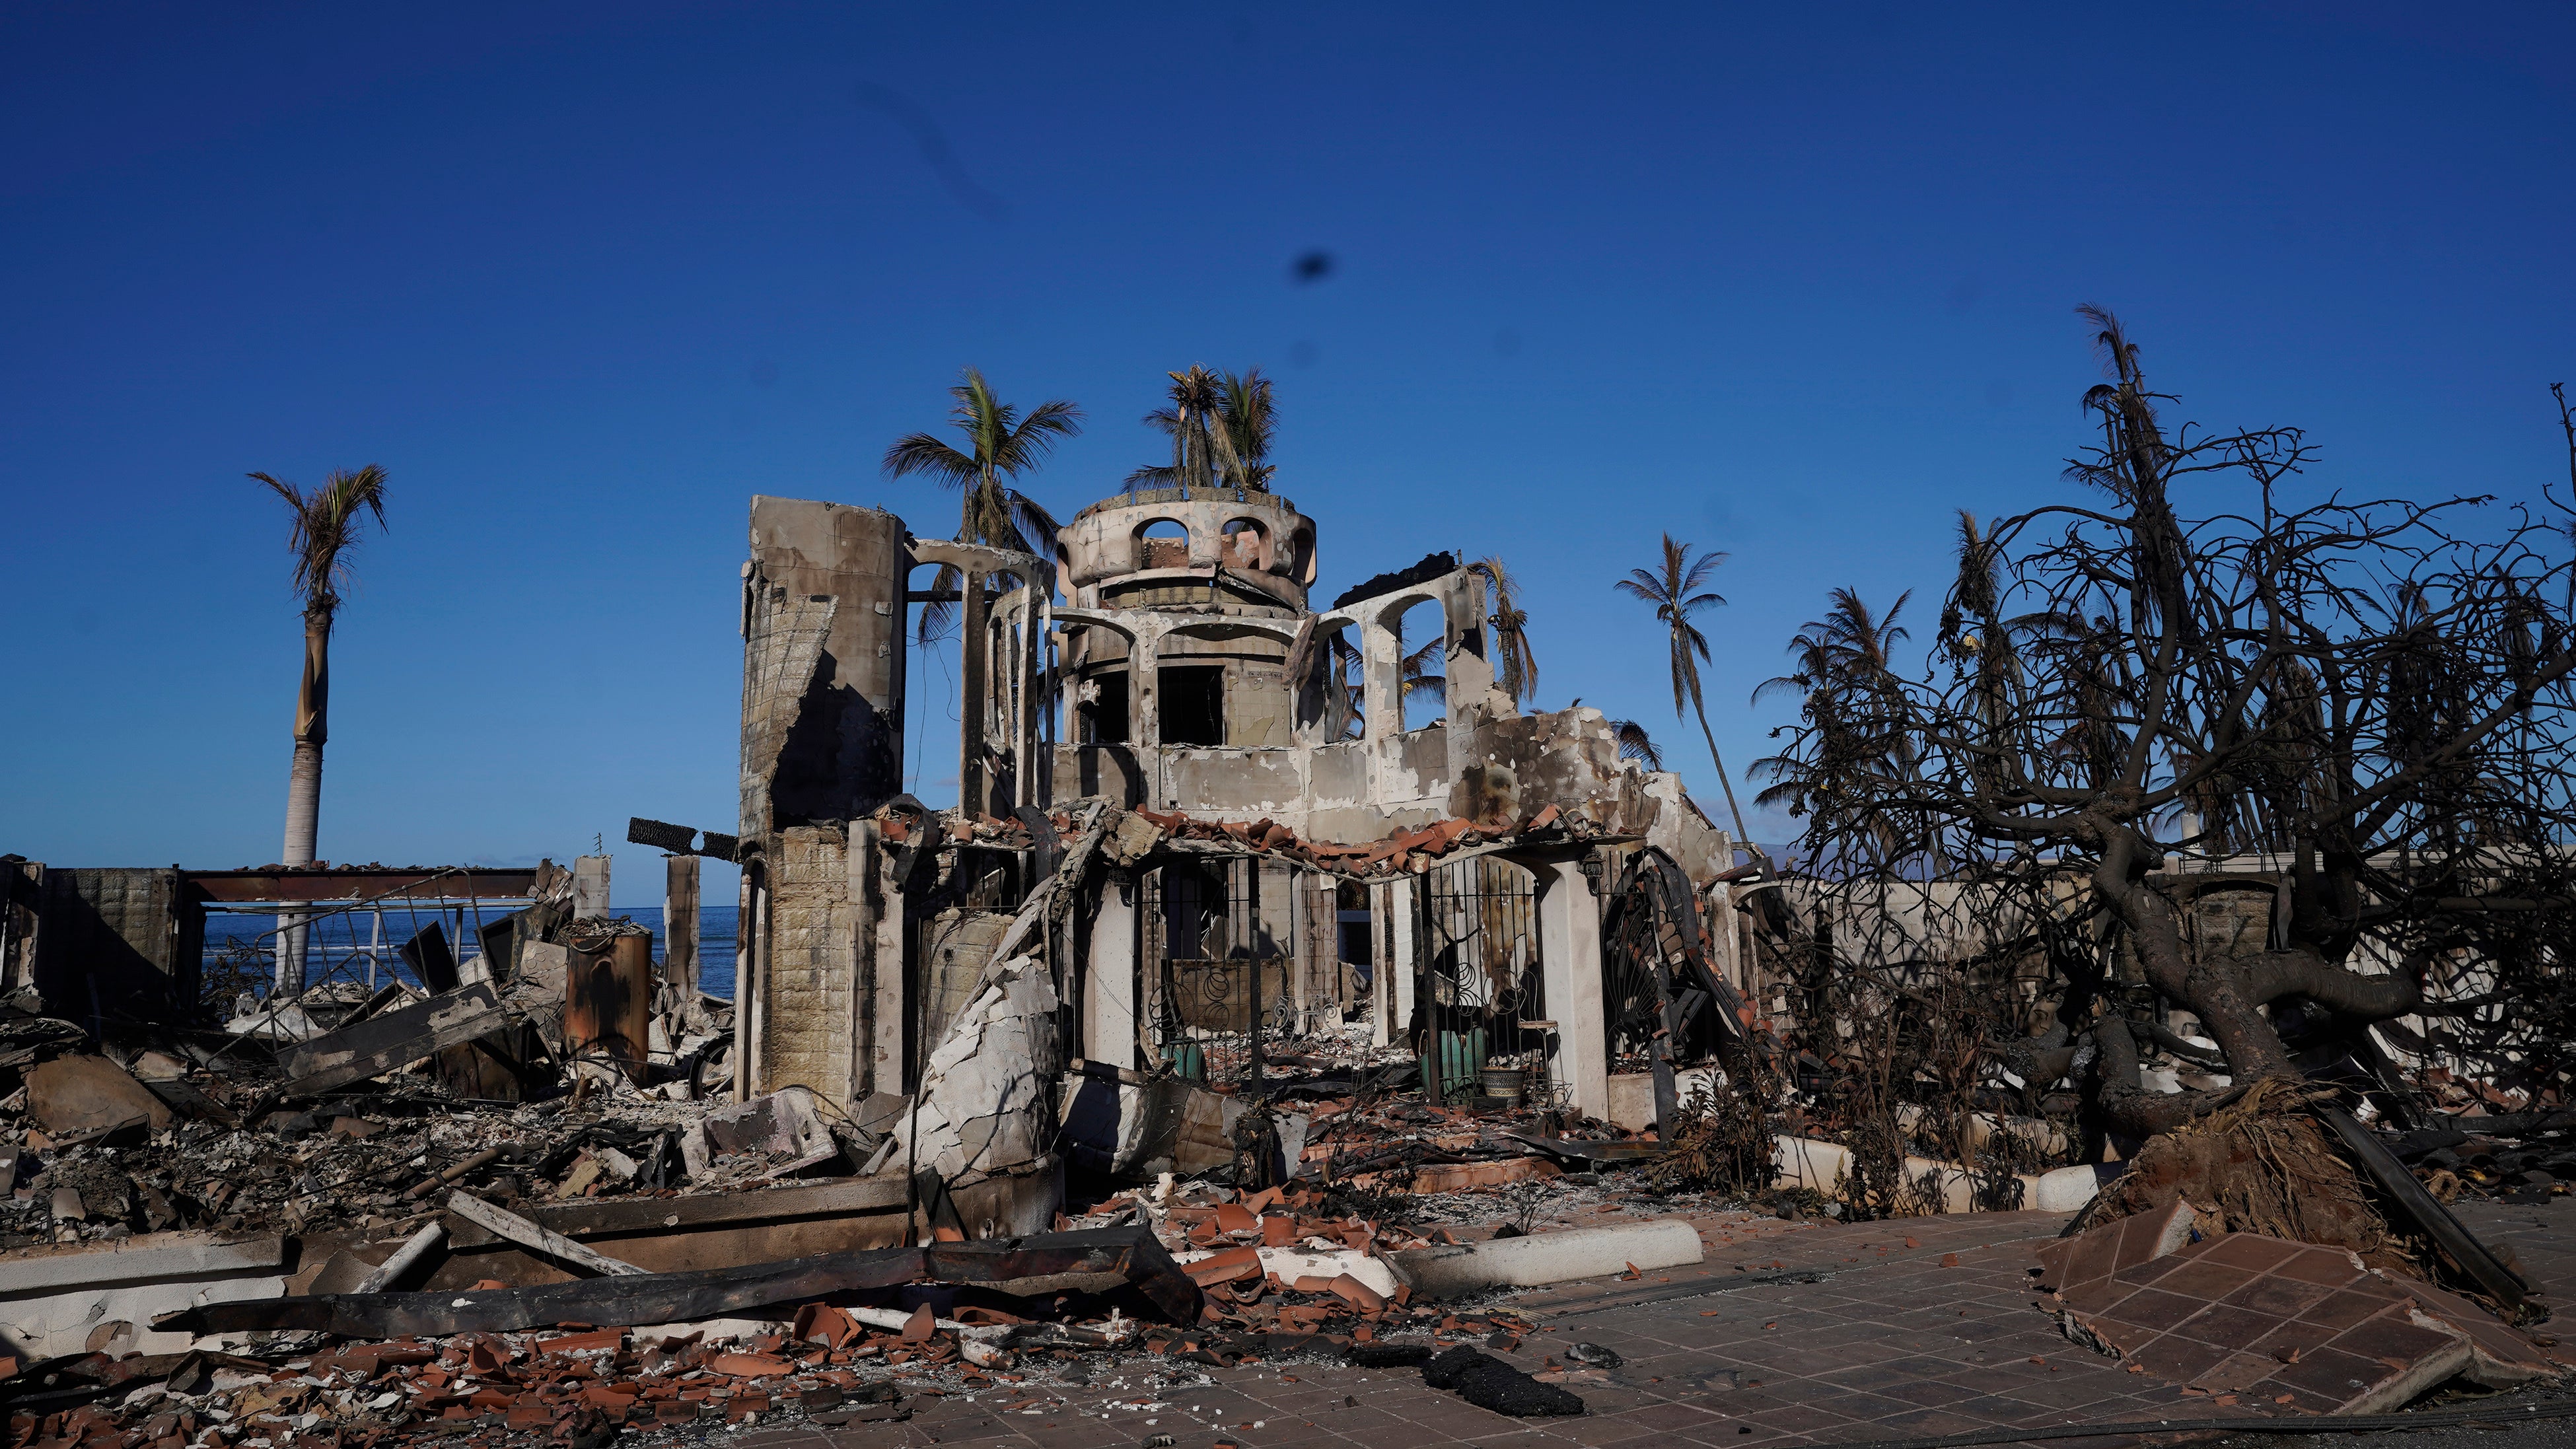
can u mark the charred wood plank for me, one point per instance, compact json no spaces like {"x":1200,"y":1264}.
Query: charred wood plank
{"x":1130,"y":1252}
{"x":528,"y":1235}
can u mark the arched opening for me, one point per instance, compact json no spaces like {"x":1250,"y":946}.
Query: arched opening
{"x":1421,"y":662}
{"x":927,"y":633}
{"x":1163,"y":544}
{"x":1332,"y":692}
{"x":1245,"y":544}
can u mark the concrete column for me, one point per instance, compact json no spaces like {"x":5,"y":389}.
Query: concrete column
{"x":974,"y":778}
{"x":751,"y":933}
{"x":1403,"y":958}
{"x":1717,"y":928}
{"x":589,"y":887}
{"x":680,"y":926}
{"x":1569,"y":923}
{"x":888,"y":1012}
{"x":1382,"y":676}
{"x":859,"y":864}
{"x":1144,"y":709}
{"x":1468,"y":645}
{"x":1109,"y":975}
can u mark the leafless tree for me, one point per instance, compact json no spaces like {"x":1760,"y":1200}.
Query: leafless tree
{"x":2203,"y":681}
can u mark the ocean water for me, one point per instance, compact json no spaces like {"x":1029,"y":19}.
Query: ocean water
{"x":346,"y":944}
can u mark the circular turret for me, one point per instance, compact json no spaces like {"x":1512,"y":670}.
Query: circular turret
{"x":1158,"y":546}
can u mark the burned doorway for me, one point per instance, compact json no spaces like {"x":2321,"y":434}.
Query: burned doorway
{"x":1478,"y":979}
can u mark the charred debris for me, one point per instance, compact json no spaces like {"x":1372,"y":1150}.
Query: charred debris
{"x":1231,"y":1015}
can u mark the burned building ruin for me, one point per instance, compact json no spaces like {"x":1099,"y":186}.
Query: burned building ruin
{"x":1182,"y":808}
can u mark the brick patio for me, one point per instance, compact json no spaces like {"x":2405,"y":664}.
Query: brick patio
{"x":1923,"y":1326}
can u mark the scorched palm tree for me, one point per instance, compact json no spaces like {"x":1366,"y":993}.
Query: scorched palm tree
{"x":1001,"y":445}
{"x":325,"y":528}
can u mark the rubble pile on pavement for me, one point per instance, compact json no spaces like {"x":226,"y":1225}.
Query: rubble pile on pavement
{"x":2512,"y":1156}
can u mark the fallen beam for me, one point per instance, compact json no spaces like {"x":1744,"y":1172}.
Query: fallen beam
{"x":1130,"y":1252}
{"x":143,"y":1258}
{"x":390,"y":1272}
{"x":386,"y":1043}
{"x":528,"y":1235}
{"x":1542,"y":1258}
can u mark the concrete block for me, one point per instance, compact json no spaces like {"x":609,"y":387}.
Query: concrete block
{"x":1454,"y":1270}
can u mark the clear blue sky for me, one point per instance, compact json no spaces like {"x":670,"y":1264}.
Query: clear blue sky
{"x":1794,"y":282}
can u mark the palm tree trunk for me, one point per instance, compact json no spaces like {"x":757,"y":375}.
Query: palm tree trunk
{"x":1723,"y":783}
{"x":304,"y":788}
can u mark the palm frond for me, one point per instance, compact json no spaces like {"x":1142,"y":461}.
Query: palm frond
{"x":1635,"y":744}
{"x":1247,"y":419}
{"x":325,"y":527}
{"x":1518,"y":661}
{"x":922,"y":453}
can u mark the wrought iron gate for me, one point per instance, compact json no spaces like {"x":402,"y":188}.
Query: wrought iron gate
{"x":1478,"y":974}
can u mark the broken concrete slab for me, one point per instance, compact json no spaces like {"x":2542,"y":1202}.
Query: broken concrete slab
{"x":385,"y":1043}
{"x":784,"y":1123}
{"x":144,"y":1258}
{"x":57,"y":1300}
{"x":982,"y":1109}
{"x":2101,"y":1251}
{"x":2260,"y":1320}
{"x":1132,"y":1127}
{"x":73,"y":1096}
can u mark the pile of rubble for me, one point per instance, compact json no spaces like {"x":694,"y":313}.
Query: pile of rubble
{"x":1403,"y":851}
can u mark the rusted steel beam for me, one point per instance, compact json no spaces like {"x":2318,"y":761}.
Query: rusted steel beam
{"x":339,"y":883}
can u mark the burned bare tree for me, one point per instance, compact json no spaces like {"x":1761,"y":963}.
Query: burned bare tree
{"x":2199,"y":683}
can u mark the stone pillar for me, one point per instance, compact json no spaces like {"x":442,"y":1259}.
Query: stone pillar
{"x":1569,"y":923}
{"x":680,"y":927}
{"x":589,"y":887}
{"x":1109,"y":976}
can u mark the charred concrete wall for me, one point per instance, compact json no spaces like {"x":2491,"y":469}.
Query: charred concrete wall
{"x":823,"y":613}
{"x":113,"y":943}
{"x":1361,"y":789}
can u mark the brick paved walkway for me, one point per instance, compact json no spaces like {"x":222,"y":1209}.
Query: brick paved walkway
{"x":1924,"y":1326}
